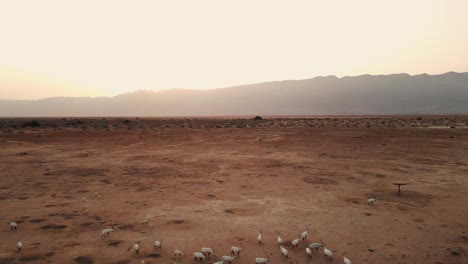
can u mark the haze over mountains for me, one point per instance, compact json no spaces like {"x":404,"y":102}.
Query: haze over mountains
{"x":396,"y":94}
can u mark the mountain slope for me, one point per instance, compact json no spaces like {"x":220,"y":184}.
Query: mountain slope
{"x":394,"y":94}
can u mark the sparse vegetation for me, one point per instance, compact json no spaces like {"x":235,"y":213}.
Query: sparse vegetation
{"x":155,"y":183}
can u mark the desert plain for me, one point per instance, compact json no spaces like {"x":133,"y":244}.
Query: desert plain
{"x":215,"y":182}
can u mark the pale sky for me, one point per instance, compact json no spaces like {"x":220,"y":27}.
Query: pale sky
{"x":93,"y":48}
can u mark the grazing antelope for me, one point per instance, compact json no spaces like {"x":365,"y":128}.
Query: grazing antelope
{"x":308,"y":252}
{"x":178,"y":253}
{"x":371,"y":200}
{"x":228,"y":259}
{"x":295,"y":242}
{"x":346,"y":260}
{"x":157,"y":245}
{"x":284,"y":252}
{"x":315,"y":246}
{"x":262,"y":260}
{"x":19,"y":245}
{"x":259,"y":238}
{"x":13,"y":225}
{"x":207,"y":252}
{"x":280,"y":241}
{"x":135,"y":247}
{"x":328,"y":253}
{"x":198,"y":256}
{"x":107,"y":231}
{"x":237,"y":250}
{"x":305,"y":234}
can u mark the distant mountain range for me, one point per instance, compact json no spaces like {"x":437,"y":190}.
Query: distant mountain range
{"x":396,"y":94}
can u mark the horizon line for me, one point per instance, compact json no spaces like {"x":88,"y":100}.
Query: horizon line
{"x":239,"y":85}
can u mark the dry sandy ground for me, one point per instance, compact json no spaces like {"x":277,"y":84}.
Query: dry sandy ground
{"x":195,"y":187}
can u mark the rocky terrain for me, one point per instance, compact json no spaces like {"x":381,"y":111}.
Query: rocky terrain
{"x":110,"y":123}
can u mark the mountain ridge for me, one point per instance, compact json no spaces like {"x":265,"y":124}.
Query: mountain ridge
{"x":393,"y":94}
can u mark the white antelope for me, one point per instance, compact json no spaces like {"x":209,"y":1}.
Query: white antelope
{"x":346,"y":260}
{"x":198,"y":256}
{"x":135,"y":247}
{"x":107,"y":231}
{"x":219,"y":262}
{"x":295,"y":242}
{"x":280,"y":241}
{"x":178,"y":253}
{"x":13,"y":225}
{"x":308,"y":252}
{"x":305,"y":234}
{"x":157,"y":245}
{"x":19,"y":245}
{"x":262,"y":260}
{"x":284,"y":252}
{"x":228,"y":259}
{"x":237,"y":250}
{"x":259,"y":238}
{"x":328,"y":253}
{"x":208,"y":252}
{"x":371,"y":200}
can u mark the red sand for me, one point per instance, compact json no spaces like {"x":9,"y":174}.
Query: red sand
{"x":216,"y":187}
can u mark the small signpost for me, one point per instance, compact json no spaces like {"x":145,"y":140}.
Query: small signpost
{"x":399,"y":184}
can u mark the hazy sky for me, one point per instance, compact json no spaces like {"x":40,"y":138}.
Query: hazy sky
{"x":74,"y":48}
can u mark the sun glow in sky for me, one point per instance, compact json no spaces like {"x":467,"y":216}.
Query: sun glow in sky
{"x":93,"y":48}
